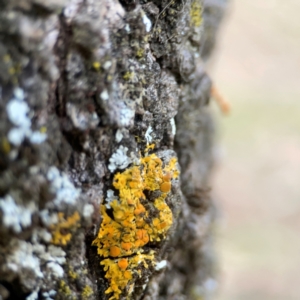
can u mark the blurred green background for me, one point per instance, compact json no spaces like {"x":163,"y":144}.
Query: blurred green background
{"x":257,"y":177}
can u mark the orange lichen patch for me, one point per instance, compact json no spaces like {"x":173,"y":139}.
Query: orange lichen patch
{"x":142,"y":238}
{"x":167,"y":177}
{"x":119,"y":272}
{"x":61,"y":231}
{"x":161,"y":224}
{"x":165,"y":187}
{"x":123,"y":263}
{"x":139,"y":209}
{"x":131,"y":227}
{"x":125,"y":246}
{"x":127,"y":275}
{"x":114,"y":251}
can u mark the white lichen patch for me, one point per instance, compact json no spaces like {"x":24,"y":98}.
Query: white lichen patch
{"x":33,"y":296}
{"x":23,"y":258}
{"x":53,"y":259}
{"x":125,"y":114}
{"x":161,"y":265}
{"x":119,"y":160}
{"x":17,"y":135}
{"x":110,"y":196}
{"x":119,"y":136}
{"x":16,"y":216}
{"x":173,"y":126}
{"x":104,"y":95}
{"x":57,"y":254}
{"x":22,"y":262}
{"x":26,"y":260}
{"x":107,"y":65}
{"x":19,"y":93}
{"x":48,"y":218}
{"x":147,"y":22}
{"x":62,"y":187}
{"x":49,"y":295}
{"x":37,"y":137}
{"x":88,"y":210}
{"x":40,"y":234}
{"x":56,"y":270}
{"x":18,"y":113}
{"x":148,"y":136}
{"x":127,"y":28}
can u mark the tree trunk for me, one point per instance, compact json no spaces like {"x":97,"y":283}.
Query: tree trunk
{"x":103,"y":104}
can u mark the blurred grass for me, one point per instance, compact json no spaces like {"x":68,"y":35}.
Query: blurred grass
{"x":258,"y":178}
{"x":255,"y":117}
{"x":259,"y":192}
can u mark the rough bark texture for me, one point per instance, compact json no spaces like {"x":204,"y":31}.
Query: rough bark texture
{"x":86,"y":86}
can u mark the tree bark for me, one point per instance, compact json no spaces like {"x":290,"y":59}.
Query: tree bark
{"x":91,"y":89}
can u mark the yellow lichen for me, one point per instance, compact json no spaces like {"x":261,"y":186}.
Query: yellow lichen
{"x":196,"y":13}
{"x":72,"y":274}
{"x":146,"y":38}
{"x":61,"y":231}
{"x":128,"y":75}
{"x":11,"y":71}
{"x":64,"y":288}
{"x":120,"y":271}
{"x":140,"y":52}
{"x":43,"y":129}
{"x":6,"y":58}
{"x":96,"y":65}
{"x":136,"y":221}
{"x":12,"y":68}
{"x":5,"y":145}
{"x":149,"y":147}
{"x":87,"y":292}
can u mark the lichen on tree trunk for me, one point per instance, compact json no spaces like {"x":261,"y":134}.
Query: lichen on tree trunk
{"x":103,"y":103}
